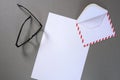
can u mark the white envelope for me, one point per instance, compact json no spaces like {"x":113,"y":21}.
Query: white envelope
{"x":94,"y":25}
{"x":61,"y":55}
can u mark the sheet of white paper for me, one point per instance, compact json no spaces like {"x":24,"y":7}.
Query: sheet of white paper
{"x":95,"y":25}
{"x":61,"y":55}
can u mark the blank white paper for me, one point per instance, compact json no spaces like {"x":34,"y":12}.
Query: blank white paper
{"x":61,"y":55}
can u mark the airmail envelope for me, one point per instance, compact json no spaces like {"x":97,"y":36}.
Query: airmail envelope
{"x":61,"y":55}
{"x":94,"y":25}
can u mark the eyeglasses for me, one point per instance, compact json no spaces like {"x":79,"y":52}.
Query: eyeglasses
{"x":30,"y":17}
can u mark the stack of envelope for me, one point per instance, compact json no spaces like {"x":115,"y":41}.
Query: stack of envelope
{"x":65,"y":43}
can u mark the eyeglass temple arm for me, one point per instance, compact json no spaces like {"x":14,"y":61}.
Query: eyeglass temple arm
{"x":30,"y":13}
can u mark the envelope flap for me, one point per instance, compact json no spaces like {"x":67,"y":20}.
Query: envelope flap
{"x":91,"y":11}
{"x":93,"y":23}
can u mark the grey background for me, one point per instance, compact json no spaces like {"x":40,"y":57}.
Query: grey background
{"x":17,"y":63}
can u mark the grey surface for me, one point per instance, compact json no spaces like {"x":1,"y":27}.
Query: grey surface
{"x":103,"y":61}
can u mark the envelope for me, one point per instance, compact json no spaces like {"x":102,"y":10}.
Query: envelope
{"x":94,"y":25}
{"x":61,"y":55}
